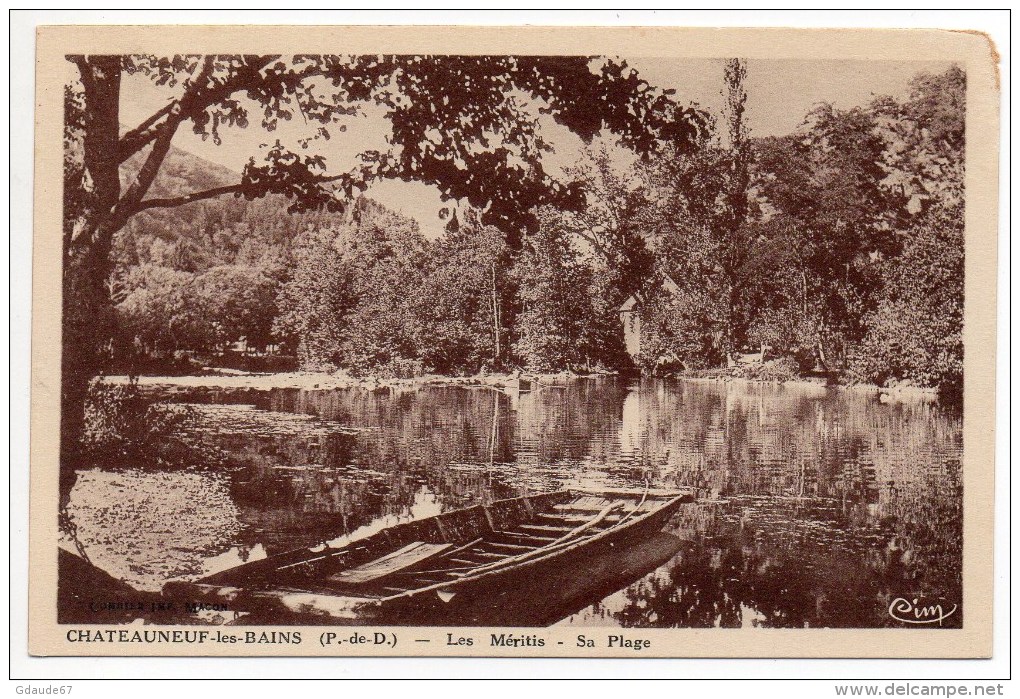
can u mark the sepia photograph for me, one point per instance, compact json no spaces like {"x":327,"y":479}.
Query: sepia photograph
{"x":593,"y":343}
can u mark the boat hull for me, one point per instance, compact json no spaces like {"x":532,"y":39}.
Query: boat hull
{"x":546,"y":592}
{"x":539,"y":587}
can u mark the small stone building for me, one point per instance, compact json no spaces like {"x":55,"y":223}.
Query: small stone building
{"x":630,"y":316}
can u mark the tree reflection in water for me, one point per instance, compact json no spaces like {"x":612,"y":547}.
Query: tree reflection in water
{"x":829,"y":503}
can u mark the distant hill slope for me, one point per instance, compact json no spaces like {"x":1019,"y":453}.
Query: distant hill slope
{"x":221,"y":230}
{"x":182,"y":172}
{"x":193,"y":237}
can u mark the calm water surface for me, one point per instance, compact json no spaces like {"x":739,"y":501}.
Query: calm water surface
{"x":825,"y":504}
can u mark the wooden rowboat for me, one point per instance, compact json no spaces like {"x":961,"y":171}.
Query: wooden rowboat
{"x":423,"y":570}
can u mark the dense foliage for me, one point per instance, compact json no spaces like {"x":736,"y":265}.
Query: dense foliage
{"x":915,"y":331}
{"x":846,"y":256}
{"x":123,"y":426}
{"x":839,"y":247}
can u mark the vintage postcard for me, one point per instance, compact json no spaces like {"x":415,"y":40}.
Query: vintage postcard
{"x":568,"y":342}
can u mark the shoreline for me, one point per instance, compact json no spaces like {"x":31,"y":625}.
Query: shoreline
{"x":893,"y":393}
{"x":310,"y":380}
{"x":340,"y":380}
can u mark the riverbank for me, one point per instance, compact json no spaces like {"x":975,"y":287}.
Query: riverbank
{"x":901,"y":393}
{"x":327,"y":381}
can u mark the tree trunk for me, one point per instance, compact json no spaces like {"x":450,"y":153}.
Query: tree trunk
{"x":803,"y":292}
{"x":497,"y":331}
{"x":728,"y":327}
{"x":820,"y":346}
{"x":87,"y":328}
{"x":86,"y":304}
{"x":735,"y":330}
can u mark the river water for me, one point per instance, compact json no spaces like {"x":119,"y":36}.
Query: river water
{"x":821,"y":506}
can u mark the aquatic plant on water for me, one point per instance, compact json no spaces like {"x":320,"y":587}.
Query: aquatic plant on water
{"x":124,"y":425}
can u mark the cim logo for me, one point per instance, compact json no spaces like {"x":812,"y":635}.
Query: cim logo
{"x":916,"y":611}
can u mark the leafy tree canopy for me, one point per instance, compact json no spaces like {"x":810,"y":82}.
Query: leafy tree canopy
{"x":466,"y":124}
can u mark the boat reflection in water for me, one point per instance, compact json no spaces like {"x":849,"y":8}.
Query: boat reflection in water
{"x":824,"y":504}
